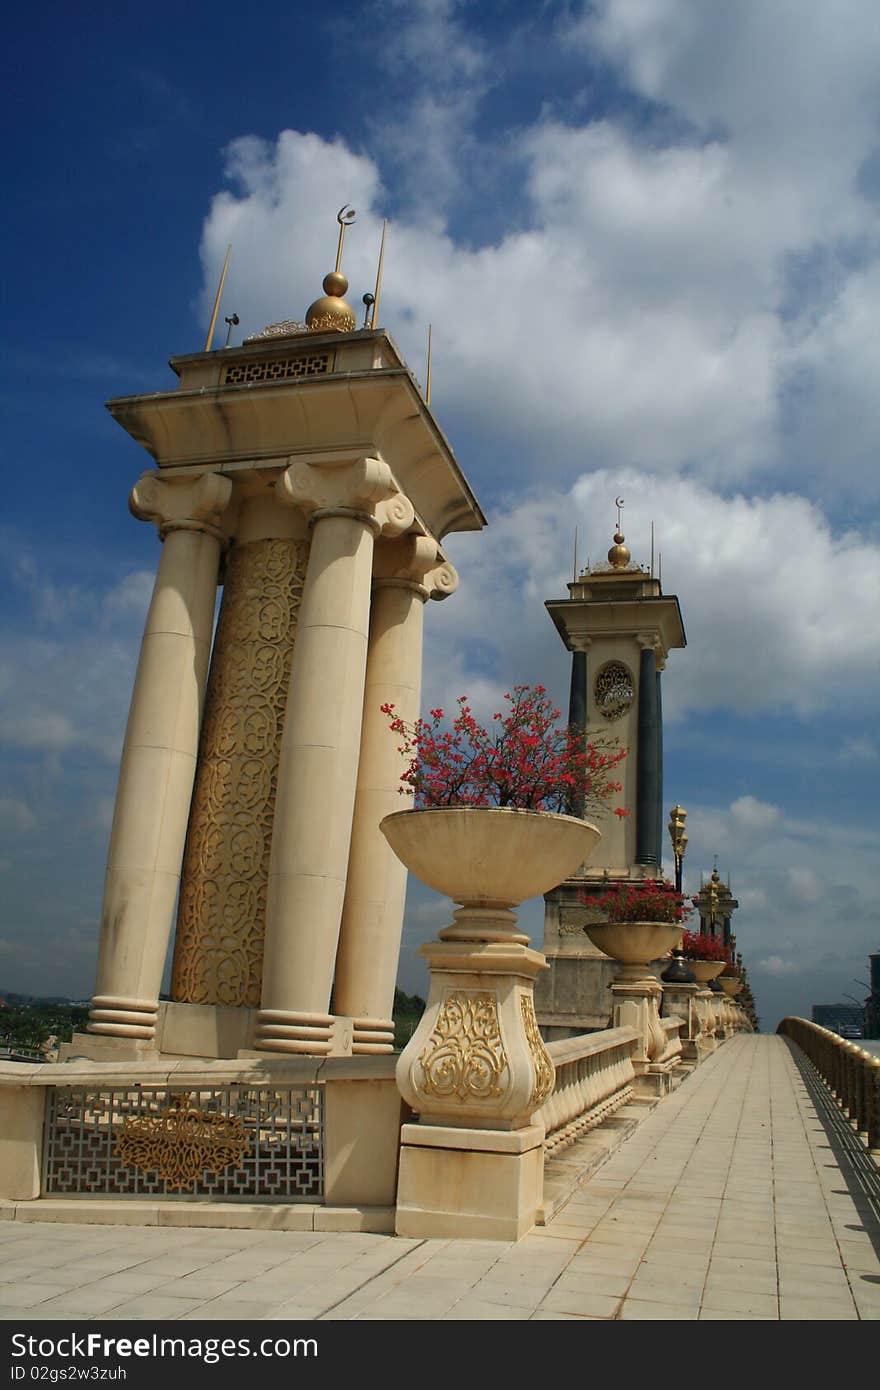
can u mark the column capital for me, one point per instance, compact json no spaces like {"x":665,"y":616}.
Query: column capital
{"x":414,"y":562}
{"x":648,"y":641}
{"x":361,"y":486}
{"x":580,"y":643}
{"x":181,"y":504}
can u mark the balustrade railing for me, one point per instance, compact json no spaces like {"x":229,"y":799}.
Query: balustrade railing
{"x":594,"y":1076}
{"x":851,"y":1073}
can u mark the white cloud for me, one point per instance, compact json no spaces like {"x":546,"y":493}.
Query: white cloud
{"x":778,"y":965}
{"x":753,"y":816}
{"x":778,"y":610}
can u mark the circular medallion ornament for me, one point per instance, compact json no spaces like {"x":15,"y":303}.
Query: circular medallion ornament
{"x":614,"y":690}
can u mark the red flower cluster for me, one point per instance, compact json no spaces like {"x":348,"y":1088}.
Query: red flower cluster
{"x":528,"y":761}
{"x":696,"y":946}
{"x":649,"y":900}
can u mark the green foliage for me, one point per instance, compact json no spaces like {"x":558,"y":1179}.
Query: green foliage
{"x":408,"y":1009}
{"x":30,"y":1024}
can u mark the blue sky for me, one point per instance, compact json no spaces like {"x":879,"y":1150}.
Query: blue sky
{"x":646,"y":234}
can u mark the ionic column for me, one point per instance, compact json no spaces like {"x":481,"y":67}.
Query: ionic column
{"x":349,"y":504}
{"x":159,"y":753}
{"x":406,"y":574}
{"x":647,"y":761}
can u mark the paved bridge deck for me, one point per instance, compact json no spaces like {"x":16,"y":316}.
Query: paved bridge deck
{"x":744,"y":1195}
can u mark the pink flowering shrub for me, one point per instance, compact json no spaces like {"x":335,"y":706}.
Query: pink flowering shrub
{"x":648,"y":900}
{"x":527,"y":760}
{"x":696,"y":946}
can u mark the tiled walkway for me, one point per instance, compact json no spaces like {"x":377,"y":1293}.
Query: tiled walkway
{"x":743,"y":1195}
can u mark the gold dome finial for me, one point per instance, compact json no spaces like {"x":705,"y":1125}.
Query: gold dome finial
{"x":619,"y":555}
{"x":332,"y":313}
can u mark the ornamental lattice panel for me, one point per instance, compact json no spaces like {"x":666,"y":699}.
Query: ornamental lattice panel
{"x":232,"y":1143}
{"x":305,"y":364}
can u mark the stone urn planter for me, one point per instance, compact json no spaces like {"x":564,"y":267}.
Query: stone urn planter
{"x":705,"y":970}
{"x":731,"y":984}
{"x":634,"y":944}
{"x":635,"y":990}
{"x":488,"y":859}
{"x":477,"y":1056}
{"x":476,"y":1069}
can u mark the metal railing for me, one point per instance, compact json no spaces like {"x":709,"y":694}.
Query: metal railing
{"x":851,"y":1074}
{"x":594,"y":1075}
{"x":229,"y":1142}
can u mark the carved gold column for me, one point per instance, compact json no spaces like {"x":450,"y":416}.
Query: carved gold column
{"x":159,"y":753}
{"x":221,"y":921}
{"x":406,"y":574}
{"x":350,"y":502}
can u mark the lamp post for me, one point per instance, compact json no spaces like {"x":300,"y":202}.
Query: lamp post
{"x":677,"y":817}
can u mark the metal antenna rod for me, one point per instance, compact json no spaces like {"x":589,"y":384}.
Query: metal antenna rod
{"x":378,"y":289}
{"x":428,"y":373}
{"x":210,"y":338}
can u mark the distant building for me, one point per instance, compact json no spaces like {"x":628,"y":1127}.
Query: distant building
{"x":847,"y":1019}
{"x":872,"y":1003}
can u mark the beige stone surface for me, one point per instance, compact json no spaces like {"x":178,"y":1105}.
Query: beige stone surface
{"x":729,"y":1178}
{"x":362,"y":1121}
{"x":159,"y":758}
{"x":406,"y":573}
{"x":465,"y":1193}
{"x":203,"y":1030}
{"x":317,"y":772}
{"x":22,"y":1109}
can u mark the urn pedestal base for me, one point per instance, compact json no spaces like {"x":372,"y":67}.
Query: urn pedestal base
{"x":469,"y":1184}
{"x":475,"y":1071}
{"x":636,"y":1005}
{"x":680,"y":1001}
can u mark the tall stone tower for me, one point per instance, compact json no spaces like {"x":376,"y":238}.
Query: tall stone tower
{"x":716,"y":906}
{"x":619,"y":627}
{"x":304,"y":472}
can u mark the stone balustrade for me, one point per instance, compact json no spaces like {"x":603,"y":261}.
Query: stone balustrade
{"x":594,"y":1076}
{"x":851,"y":1074}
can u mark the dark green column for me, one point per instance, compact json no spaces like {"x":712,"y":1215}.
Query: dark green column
{"x":648,"y":764}
{"x":577,"y":714}
{"x":658,"y":842}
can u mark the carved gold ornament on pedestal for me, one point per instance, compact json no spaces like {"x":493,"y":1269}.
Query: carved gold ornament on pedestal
{"x":544,"y":1072}
{"x":465,"y":1056}
{"x":181,"y":1143}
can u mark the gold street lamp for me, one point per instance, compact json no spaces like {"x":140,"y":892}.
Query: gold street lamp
{"x":677,"y":818}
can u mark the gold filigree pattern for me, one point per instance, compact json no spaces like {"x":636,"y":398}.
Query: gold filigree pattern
{"x":614,"y":690}
{"x":545,"y":1074}
{"x":181,"y":1143}
{"x":465,"y":1058}
{"x":218,"y":957}
{"x":337,"y":323}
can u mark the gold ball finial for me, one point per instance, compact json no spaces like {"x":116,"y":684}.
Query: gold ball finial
{"x":331,"y":313}
{"x":619,"y":555}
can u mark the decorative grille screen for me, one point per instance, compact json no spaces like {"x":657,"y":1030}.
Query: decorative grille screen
{"x":614,"y":690}
{"x":278,"y":369}
{"x":230,"y":1143}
